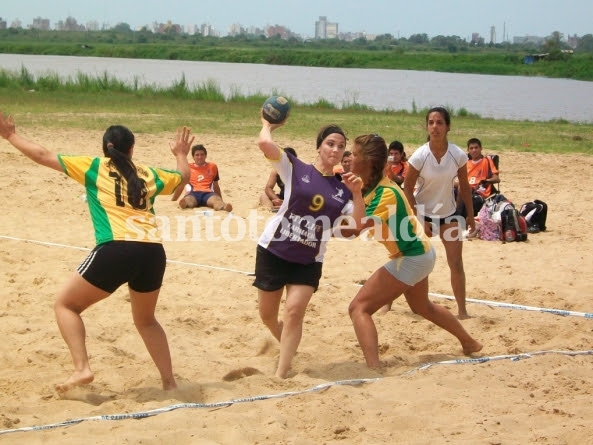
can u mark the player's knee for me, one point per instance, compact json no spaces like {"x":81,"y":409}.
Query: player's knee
{"x":191,"y":201}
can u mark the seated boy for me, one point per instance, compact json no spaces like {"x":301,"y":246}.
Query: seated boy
{"x":203,"y":180}
{"x":481,"y":171}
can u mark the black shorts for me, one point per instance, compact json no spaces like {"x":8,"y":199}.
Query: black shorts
{"x":109,"y":265}
{"x":273,"y":273}
{"x":441,"y":221}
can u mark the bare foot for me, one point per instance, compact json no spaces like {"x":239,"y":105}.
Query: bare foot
{"x":79,"y":378}
{"x":471,"y":347}
{"x":282,"y":374}
{"x":374,"y":363}
{"x":228,"y":207}
{"x":169,"y":384}
{"x":463,"y":315}
{"x":183,"y":203}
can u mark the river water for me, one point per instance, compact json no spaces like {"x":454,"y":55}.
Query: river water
{"x":499,"y":97}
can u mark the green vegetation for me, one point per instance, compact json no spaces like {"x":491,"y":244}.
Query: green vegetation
{"x":443,"y":54}
{"x":93,"y":103}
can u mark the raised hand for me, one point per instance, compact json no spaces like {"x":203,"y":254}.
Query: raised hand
{"x":183,"y":142}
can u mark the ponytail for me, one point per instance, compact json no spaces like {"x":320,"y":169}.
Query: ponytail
{"x":117,"y":144}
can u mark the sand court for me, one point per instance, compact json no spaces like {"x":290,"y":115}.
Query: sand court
{"x":532,"y":382}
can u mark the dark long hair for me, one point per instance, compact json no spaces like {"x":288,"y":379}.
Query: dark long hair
{"x":372,"y":148}
{"x":117,"y":143}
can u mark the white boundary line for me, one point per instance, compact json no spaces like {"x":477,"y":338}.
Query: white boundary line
{"x":561,"y":312}
{"x":320,"y":387}
{"x":184,"y":263}
{"x":519,"y":306}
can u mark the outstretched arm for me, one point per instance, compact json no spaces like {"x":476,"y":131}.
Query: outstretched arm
{"x":180,"y":149}
{"x":178,"y":191}
{"x":265,"y":142}
{"x":32,"y":150}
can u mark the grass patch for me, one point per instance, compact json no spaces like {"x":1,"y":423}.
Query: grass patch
{"x":93,"y":103}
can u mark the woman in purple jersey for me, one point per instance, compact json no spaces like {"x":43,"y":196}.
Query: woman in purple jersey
{"x":291,"y":248}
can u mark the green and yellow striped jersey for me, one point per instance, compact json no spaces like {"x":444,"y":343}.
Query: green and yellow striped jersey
{"x":112,"y":215}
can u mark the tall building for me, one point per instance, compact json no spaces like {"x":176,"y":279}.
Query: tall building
{"x":331,"y":31}
{"x":208,"y":30}
{"x":236,"y":30}
{"x":39,"y":23}
{"x":325,"y":29}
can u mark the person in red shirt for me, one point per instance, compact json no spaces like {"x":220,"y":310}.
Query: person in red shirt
{"x":481,"y":171}
{"x":203,"y":181}
{"x":397,"y":163}
{"x":344,"y":166}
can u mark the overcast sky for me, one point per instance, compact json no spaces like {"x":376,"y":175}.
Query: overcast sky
{"x":401,"y":18}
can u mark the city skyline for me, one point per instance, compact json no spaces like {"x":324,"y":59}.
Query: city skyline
{"x":509,"y":18}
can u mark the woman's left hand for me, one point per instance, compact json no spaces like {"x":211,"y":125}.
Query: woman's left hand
{"x":182,"y":143}
{"x":7,"y":126}
{"x":352,"y":182}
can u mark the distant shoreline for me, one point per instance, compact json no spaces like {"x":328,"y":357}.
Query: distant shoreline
{"x":453,"y":56}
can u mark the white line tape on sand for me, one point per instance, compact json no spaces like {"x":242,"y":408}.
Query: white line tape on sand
{"x":513,"y":306}
{"x":518,"y":306}
{"x":353,"y":382}
{"x":513,"y":358}
{"x":184,"y":263}
{"x":561,"y":312}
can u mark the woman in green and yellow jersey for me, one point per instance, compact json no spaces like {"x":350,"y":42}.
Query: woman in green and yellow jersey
{"x":128,"y":249}
{"x":380,"y":205}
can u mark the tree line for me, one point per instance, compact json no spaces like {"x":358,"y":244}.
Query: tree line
{"x":123,"y":34}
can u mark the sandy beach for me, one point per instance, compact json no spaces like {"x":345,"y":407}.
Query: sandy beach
{"x":531,"y":383}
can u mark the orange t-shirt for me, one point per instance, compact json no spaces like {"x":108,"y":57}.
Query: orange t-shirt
{"x":400,"y":169}
{"x":202,"y":177}
{"x":478,"y":171}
